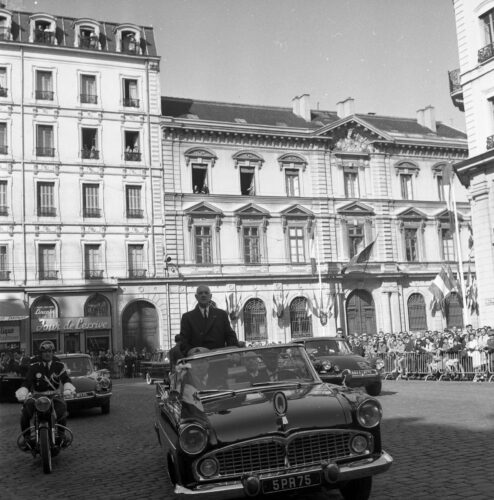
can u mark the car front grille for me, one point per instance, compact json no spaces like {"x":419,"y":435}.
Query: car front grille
{"x":313,"y":449}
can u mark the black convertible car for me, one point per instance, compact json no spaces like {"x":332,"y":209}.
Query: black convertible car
{"x":236,"y":423}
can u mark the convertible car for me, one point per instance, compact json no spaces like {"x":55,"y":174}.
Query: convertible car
{"x":336,"y":363}
{"x":93,"y":387}
{"x":236,"y":423}
{"x":156,"y":368}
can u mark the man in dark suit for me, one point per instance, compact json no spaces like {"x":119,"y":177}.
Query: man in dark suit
{"x":206,"y":326}
{"x":253,"y":372}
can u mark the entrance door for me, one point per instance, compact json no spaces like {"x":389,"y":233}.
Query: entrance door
{"x":140,"y":326}
{"x":360,"y":313}
{"x":72,"y":342}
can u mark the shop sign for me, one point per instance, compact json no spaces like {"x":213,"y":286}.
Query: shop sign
{"x":70,"y":324}
{"x":10,"y":334}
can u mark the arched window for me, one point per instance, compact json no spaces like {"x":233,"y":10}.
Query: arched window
{"x":300,"y":321}
{"x":97,"y":305}
{"x":43,"y":308}
{"x":454,"y":311}
{"x":417,"y":316}
{"x":255,"y":321}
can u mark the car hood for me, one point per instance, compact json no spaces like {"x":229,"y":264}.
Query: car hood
{"x":84,"y":383}
{"x":346,"y":361}
{"x":251,"y":415}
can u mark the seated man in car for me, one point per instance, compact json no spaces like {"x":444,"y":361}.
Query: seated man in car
{"x":274,"y":372}
{"x":206,"y":374}
{"x":253,"y":372}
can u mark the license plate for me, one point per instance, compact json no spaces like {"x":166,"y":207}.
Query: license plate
{"x":83,"y":394}
{"x":292,"y":482}
{"x":363,"y":372}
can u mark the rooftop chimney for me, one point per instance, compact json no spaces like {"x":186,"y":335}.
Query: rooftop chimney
{"x":346,"y":107}
{"x":420,"y":117}
{"x":301,"y":106}
{"x":296,"y":105}
{"x":430,"y":118}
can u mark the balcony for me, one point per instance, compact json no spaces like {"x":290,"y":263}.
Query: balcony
{"x":45,"y":152}
{"x":4,"y":150}
{"x":486,"y":53}
{"x":89,"y":154}
{"x":4,"y":33}
{"x":47,"y":37}
{"x":94,"y":274}
{"x":89,"y":99}
{"x":4,"y":92}
{"x":455,"y":90}
{"x":44,"y":95}
{"x":135,"y":213}
{"x":130,"y":103}
{"x":4,"y":210}
{"x":94,"y":213}
{"x":4,"y":275}
{"x":48,"y":275}
{"x":137,"y":273}
{"x":47,"y":212}
{"x":132,"y":156}
{"x":89,"y":41}
{"x":489,"y":142}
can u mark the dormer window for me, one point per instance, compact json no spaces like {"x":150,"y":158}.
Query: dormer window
{"x":88,"y":38}
{"x":5,"y":27}
{"x":128,"y":39}
{"x":43,"y":29}
{"x":129,"y":42}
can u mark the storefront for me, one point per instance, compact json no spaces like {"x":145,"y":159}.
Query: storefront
{"x":13,"y":313}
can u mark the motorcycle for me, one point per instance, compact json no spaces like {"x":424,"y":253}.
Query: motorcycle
{"x":43,"y":437}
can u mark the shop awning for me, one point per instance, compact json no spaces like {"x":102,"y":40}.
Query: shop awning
{"x":13,"y":310}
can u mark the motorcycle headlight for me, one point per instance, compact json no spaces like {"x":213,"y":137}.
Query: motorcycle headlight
{"x":327,"y":365}
{"x":369,"y":413}
{"x":43,"y":404}
{"x":379,"y":364}
{"x":193,"y":438}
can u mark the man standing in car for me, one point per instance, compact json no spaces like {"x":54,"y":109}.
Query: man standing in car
{"x":206,"y":326}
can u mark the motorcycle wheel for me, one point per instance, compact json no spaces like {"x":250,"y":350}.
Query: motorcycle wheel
{"x":45,"y":449}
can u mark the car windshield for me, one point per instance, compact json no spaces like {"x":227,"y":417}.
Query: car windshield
{"x":247,"y":368}
{"x":78,"y":366}
{"x":327,"y":347}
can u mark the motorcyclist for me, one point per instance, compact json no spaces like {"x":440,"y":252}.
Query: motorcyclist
{"x":45,"y":373}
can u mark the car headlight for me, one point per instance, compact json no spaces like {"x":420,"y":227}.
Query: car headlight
{"x":359,"y":444}
{"x":43,"y":404}
{"x":369,"y":413}
{"x":327,"y":365}
{"x":104,"y":383}
{"x":208,"y":467}
{"x":379,"y":364}
{"x":193,"y":438}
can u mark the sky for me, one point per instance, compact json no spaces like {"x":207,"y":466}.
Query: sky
{"x":391,"y":56}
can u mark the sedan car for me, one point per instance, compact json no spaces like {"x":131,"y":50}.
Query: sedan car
{"x":93,"y":387}
{"x":336,"y":363}
{"x":237,"y":422}
{"x":157,"y":368}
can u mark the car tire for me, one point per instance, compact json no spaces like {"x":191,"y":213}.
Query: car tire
{"x":149,"y":379}
{"x":358,"y":489}
{"x":374,"y":389}
{"x":105,"y":408}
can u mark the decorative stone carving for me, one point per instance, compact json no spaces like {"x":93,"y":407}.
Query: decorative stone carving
{"x":354,"y":143}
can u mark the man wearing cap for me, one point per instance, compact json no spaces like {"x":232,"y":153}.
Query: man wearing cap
{"x":206,"y":326}
{"x":45,"y":374}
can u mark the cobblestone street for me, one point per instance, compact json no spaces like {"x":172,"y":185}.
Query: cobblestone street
{"x":437,"y":432}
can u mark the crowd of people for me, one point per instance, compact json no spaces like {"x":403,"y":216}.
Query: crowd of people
{"x":125,"y":363}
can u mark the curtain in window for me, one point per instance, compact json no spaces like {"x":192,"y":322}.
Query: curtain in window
{"x":3,"y":78}
{"x":44,"y":81}
{"x":3,"y":194}
{"x":47,"y":261}
{"x":45,"y":136}
{"x":88,"y":84}
{"x":132,"y":89}
{"x":133,"y":197}
{"x":203,"y":244}
{"x":136,"y":257}
{"x":3,"y":134}
{"x":292,"y":182}
{"x":92,"y":257}
{"x":3,"y":257}
{"x":91,"y":196}
{"x":46,"y":195}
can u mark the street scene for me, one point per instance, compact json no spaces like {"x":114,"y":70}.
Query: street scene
{"x":246,"y":249}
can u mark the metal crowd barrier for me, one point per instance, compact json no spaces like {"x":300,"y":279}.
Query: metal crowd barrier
{"x":474,"y":366}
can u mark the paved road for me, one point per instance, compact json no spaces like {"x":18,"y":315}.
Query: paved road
{"x":439,"y":433}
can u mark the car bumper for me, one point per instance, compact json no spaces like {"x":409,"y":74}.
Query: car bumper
{"x":89,"y":401}
{"x":235,"y":489}
{"x":354,"y":381}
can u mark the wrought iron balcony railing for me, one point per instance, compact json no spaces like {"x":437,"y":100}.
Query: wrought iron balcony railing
{"x":130,"y":103}
{"x":490,"y":142}
{"x":137,"y":273}
{"x":49,"y":274}
{"x":89,"y":99}
{"x":4,"y":210}
{"x":135,"y":213}
{"x":47,"y":212}
{"x":486,"y":53}
{"x":47,"y":37}
{"x":89,"y":154}
{"x":4,"y":92}
{"x":4,"y":150}
{"x":45,"y":152}
{"x":94,"y":274}
{"x":44,"y":95}
{"x":4,"y":275}
{"x":92,"y":212}
{"x":132,"y":156}
{"x":455,"y":90}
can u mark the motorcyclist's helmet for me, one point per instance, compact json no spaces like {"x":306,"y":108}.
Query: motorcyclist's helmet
{"x":46,"y":346}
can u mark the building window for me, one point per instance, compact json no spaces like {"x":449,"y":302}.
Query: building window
{"x":90,"y":200}
{"x":448,"y":248}
{"x":406,"y":186}
{"x":89,"y":94}
{"x":200,"y":178}
{"x":3,"y":83}
{"x":254,"y":314}
{"x":44,"y":85}
{"x":44,"y":33}
{"x":292,"y":182}
{"x":92,"y":262}
{"x":417,"y":316}
{"x":247,"y":181}
{"x":203,"y":244}
{"x":47,"y":262}
{"x":136,"y":261}
{"x":46,"y":199}
{"x":355,"y":240}
{"x":488,"y":26}
{"x":4,"y":148}
{"x":411,"y":245}
{"x":440,"y":190}
{"x":251,"y":245}
{"x":133,"y":202}
{"x":90,"y":149}
{"x":132,"y":152}
{"x":130,"y":95}
{"x":300,"y":321}
{"x":44,"y":141}
{"x":351,"y":184}
{"x":296,"y":244}
{"x":4,"y":264}
{"x":88,"y":38}
{"x":129,"y":42}
{"x":4,"y":208}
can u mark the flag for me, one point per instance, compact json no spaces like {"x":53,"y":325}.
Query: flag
{"x":448,"y":175}
{"x":471,"y":293}
{"x":312,"y":253}
{"x":441,"y":286}
{"x":362,"y":256}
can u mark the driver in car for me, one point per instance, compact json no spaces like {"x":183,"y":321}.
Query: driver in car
{"x":45,"y":374}
{"x":273,"y":371}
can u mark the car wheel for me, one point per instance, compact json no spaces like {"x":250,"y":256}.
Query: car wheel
{"x":374,"y":389}
{"x":105,"y":408}
{"x":149,"y":379}
{"x":358,"y":489}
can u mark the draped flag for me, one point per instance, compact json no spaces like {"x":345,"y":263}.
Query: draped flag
{"x":361,"y":257}
{"x":279,"y":305}
{"x":322,"y":307}
{"x":448,"y":175}
{"x":232,"y":306}
{"x":471,"y":293}
{"x":441,"y":287}
{"x":312,"y":252}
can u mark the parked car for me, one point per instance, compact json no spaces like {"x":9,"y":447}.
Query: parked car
{"x":336,"y":363}
{"x":246,"y":422}
{"x":157,"y":368}
{"x":93,"y":387}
